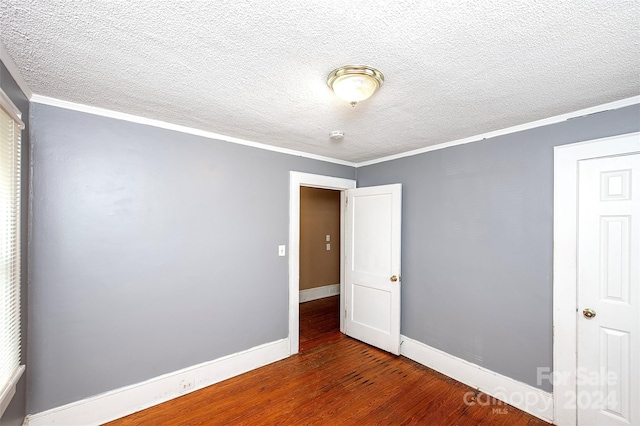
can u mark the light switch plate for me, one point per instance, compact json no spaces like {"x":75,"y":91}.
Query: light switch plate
{"x":328,"y":238}
{"x":328,"y":246}
{"x":281,"y":250}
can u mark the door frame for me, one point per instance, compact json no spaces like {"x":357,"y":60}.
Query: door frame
{"x":565,"y":286}
{"x":297,"y":180}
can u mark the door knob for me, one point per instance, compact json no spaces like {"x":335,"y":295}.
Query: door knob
{"x":394,"y":278}
{"x":589,"y":313}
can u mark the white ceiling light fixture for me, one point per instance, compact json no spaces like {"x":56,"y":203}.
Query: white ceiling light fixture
{"x":355,"y":83}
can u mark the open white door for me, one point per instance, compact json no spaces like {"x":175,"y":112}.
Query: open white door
{"x":608,"y":383}
{"x":372,"y":265}
{"x":596,"y":288}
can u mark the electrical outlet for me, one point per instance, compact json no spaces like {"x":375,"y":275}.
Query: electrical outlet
{"x":186,"y":386}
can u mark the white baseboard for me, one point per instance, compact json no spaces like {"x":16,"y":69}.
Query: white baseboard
{"x":319,"y":292}
{"x":130,"y":399}
{"x":520,"y":395}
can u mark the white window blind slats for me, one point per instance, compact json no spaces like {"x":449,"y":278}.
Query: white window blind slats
{"x":10,"y":132}
{"x":11,"y":110}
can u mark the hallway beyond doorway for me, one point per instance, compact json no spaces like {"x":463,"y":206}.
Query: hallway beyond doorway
{"x":319,"y":322}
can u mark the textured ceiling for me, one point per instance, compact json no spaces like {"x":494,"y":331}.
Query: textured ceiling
{"x":257,"y":70}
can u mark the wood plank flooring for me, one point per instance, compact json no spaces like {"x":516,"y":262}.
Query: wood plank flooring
{"x":335,"y":380}
{"x":319,"y":322}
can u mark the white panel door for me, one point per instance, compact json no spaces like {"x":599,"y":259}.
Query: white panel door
{"x":608,"y":325}
{"x":372,"y":266}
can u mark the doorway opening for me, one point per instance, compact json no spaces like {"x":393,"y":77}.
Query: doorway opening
{"x":319,"y":260}
{"x":297,"y":181}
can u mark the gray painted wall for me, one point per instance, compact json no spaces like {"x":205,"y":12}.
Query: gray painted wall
{"x":152,"y":251}
{"x":477,"y":242}
{"x":15,"y":412}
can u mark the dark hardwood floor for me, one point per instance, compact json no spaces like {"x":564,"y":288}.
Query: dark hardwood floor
{"x":319,"y":322}
{"x":335,"y":380}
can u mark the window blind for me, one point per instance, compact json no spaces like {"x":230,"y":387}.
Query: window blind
{"x":10,"y":132}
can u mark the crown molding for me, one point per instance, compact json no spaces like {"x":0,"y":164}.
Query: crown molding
{"x":526,"y":126}
{"x":8,"y":62}
{"x":45,"y":100}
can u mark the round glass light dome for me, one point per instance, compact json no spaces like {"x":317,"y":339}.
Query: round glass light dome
{"x":355,"y":83}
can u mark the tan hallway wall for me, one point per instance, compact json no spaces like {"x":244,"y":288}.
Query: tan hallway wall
{"x":319,"y":217}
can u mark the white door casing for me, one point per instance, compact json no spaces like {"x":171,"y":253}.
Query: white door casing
{"x":596,"y":373}
{"x":608,"y":285}
{"x":372,"y":265}
{"x":296,"y":180}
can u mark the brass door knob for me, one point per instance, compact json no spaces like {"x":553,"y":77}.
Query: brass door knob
{"x":394,"y":278}
{"x":589,"y":313}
